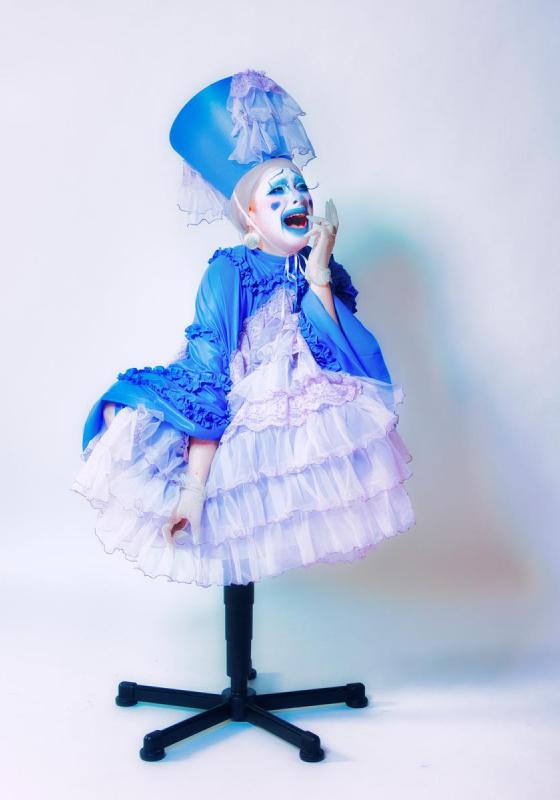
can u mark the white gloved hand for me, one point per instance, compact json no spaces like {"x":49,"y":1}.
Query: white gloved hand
{"x":325,"y":229}
{"x":189,"y":509}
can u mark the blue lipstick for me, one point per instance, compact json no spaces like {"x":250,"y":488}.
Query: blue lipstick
{"x":300,"y":221}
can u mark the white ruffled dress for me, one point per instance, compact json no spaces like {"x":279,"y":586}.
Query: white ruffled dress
{"x":310,"y":469}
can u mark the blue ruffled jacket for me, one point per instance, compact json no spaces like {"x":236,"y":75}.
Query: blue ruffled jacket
{"x":191,"y":392}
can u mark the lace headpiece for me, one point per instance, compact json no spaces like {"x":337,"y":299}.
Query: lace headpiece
{"x":228,"y":128}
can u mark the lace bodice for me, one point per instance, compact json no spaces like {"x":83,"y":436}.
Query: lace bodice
{"x":268,"y":333}
{"x":274,"y":369}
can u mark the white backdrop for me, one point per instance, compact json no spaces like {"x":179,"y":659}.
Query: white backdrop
{"x":436,"y":127}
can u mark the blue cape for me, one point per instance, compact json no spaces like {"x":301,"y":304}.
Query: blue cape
{"x":191,"y":393}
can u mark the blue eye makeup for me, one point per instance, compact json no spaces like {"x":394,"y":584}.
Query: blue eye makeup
{"x":300,"y":187}
{"x":282,"y":184}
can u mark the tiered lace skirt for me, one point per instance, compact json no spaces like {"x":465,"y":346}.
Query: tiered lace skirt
{"x":310,"y":469}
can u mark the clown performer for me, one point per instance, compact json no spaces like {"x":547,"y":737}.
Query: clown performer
{"x":270,"y":443}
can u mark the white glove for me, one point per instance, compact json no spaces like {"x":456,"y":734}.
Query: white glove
{"x":319,"y":276}
{"x":189,"y":509}
{"x":325,"y":229}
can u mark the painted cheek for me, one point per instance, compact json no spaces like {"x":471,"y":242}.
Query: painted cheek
{"x":275,"y":205}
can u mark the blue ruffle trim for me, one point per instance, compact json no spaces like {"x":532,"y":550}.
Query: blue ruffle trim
{"x":322,"y":354}
{"x":228,"y":252}
{"x":255,"y":283}
{"x":173,"y":384}
{"x":196,"y":329}
{"x":262,"y":285}
{"x":341,"y":282}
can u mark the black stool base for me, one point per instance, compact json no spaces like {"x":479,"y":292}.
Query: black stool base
{"x":238,"y":702}
{"x":249,"y":707}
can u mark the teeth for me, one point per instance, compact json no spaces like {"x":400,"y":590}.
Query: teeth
{"x":298,"y":220}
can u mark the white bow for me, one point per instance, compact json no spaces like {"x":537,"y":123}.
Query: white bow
{"x":298,"y":258}
{"x":291,"y":274}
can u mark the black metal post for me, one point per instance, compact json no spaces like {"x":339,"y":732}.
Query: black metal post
{"x":238,"y":701}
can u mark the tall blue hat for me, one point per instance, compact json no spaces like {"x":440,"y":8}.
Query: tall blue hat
{"x":227,"y":129}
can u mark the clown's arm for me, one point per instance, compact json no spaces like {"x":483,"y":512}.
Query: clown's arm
{"x":191,"y":393}
{"x":317,"y":270}
{"x":328,"y":321}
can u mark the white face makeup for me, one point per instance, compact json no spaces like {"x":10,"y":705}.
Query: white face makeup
{"x":279,"y":209}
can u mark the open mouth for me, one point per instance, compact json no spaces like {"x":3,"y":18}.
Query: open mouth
{"x":296,"y":219}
